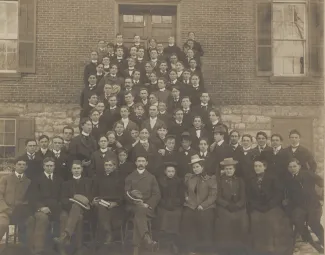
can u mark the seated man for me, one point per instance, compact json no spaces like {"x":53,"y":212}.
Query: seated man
{"x":44,"y":199}
{"x":145,"y":183}
{"x":13,"y":202}
{"x":109,"y":195}
{"x":75,"y":197}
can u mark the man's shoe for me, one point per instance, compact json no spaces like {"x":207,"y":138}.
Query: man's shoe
{"x":150,"y":244}
{"x":108,"y":240}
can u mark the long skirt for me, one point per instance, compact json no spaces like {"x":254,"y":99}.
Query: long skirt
{"x":231,"y":229}
{"x":271,"y":232}
{"x":169,"y":221}
{"x":197,"y":229}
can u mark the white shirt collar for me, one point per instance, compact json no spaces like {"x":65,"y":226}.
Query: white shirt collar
{"x":247,"y":149}
{"x":143,"y":141}
{"x":202,"y":104}
{"x":153,"y":119}
{"x":94,"y":61}
{"x":130,"y":105}
{"x":235,"y":145}
{"x":56,"y":152}
{"x":95,"y":123}
{"x":17,"y":174}
{"x":295,"y":146}
{"x":162,"y":112}
{"x":186,"y":110}
{"x":103,"y":150}
{"x":125,"y":120}
{"x":144,"y":101}
{"x":131,"y":68}
{"x":76,"y":177}
{"x":278,"y":148}
{"x":43,"y":150}
{"x":220,"y":142}
{"x":154,"y":60}
{"x":30,"y":154}
{"x":162,"y":90}
{"x":171,"y":45}
{"x":156,"y":104}
{"x":141,"y":171}
{"x":140,"y":59}
{"x":196,"y":86}
{"x":47,"y":175}
{"x":215,"y":122}
{"x":113,"y":75}
{"x":203,"y":153}
{"x":84,"y":133}
{"x":99,"y":74}
{"x":178,"y":122}
{"x":92,"y":105}
{"x":112,"y":108}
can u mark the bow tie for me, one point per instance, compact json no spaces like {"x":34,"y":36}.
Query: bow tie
{"x":20,"y":176}
{"x":57,"y":155}
{"x":95,"y":125}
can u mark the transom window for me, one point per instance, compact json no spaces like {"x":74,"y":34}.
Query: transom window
{"x":133,"y":18}
{"x":157,"y":19}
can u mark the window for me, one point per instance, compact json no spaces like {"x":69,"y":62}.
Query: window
{"x":13,"y":134}
{"x":8,"y":36}
{"x":17,"y":36}
{"x":157,"y":19}
{"x":289,"y":39}
{"x":7,"y":142}
{"x":133,"y":18}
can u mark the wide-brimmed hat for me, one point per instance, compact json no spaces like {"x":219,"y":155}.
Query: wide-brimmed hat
{"x":195,"y":159}
{"x":135,"y":195}
{"x":228,"y":162}
{"x":81,"y":200}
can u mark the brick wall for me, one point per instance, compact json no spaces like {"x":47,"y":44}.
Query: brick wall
{"x":68,"y":30}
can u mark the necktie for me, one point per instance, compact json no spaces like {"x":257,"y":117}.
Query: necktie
{"x":261,"y":149}
{"x":50,"y":177}
{"x":103,"y":155}
{"x":96,"y":126}
{"x":204,"y":107}
{"x":57,"y":155}
{"x":233,"y":147}
{"x":19,"y":176}
{"x":275,"y":151}
{"x":31,"y":157}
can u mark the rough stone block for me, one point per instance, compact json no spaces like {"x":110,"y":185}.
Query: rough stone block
{"x":251,"y":109}
{"x":258,"y":126}
{"x":240,"y":126}
{"x":226,"y":110}
{"x":231,"y":118}
{"x":263,"y":119}
{"x":33,"y":107}
{"x":249,"y":118}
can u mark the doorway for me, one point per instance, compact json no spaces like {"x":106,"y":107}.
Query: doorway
{"x":155,"y":21}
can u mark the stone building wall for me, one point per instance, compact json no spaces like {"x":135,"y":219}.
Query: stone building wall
{"x":51,"y":118}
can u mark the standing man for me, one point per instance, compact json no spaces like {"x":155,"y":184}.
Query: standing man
{"x":34,"y":162}
{"x":68,"y":133}
{"x":153,"y":123}
{"x":261,"y":139}
{"x":44,"y":151}
{"x":61,"y":157}
{"x":83,"y":145}
{"x":295,"y":150}
{"x":141,"y":184}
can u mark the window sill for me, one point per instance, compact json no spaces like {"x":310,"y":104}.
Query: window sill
{"x":10,"y":76}
{"x":283,"y":79}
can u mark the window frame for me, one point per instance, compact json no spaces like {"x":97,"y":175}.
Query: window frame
{"x":3,"y":118}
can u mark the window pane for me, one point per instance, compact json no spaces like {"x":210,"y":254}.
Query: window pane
{"x":264,"y":59}
{"x":10,"y":152}
{"x":264,"y":23}
{"x":9,"y":139}
{"x":167,"y":19}
{"x":8,"y":55}
{"x":2,"y":126}
{"x":127,"y":18}
{"x":288,"y":58}
{"x":289,"y":21}
{"x":156,"y":19}
{"x":10,"y":126}
{"x":12,"y":19}
{"x":138,"y":18}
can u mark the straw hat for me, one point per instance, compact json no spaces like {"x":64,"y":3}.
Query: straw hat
{"x":228,"y":162}
{"x":81,"y":200}
{"x":195,"y":159}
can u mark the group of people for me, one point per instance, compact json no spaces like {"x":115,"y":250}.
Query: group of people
{"x":152,"y":149}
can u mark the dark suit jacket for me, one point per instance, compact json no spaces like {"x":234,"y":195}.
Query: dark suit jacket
{"x":83,"y":186}
{"x":13,"y":192}
{"x":110,"y":187}
{"x":90,"y":68}
{"x":196,"y":140}
{"x":107,"y":79}
{"x":184,"y":158}
{"x":48,"y":154}
{"x":62,"y":166}
{"x":173,"y":105}
{"x":81,"y":149}
{"x":109,"y":117}
{"x":152,"y":131}
{"x":147,"y":184}
{"x":301,"y":191}
{"x":305,"y":157}
{"x":211,"y":128}
{"x":34,"y":167}
{"x":176,"y":130}
{"x":172,"y":192}
{"x":203,"y":112}
{"x":125,"y":140}
{"x":46,"y":193}
{"x":269,"y":196}
{"x":219,"y":154}
{"x":125,"y":169}
{"x":194,"y":94}
{"x":131,"y":125}
{"x":256,"y":152}
{"x":276,"y":163}
{"x":86,"y":93}
{"x":97,"y":162}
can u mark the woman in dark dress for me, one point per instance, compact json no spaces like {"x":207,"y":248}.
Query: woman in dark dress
{"x":199,"y":208}
{"x":170,"y":205}
{"x":271,"y":232}
{"x":231,"y":228}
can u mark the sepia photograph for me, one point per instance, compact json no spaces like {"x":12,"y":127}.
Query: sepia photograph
{"x":162,"y":127}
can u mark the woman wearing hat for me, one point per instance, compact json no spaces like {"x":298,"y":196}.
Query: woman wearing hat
{"x":200,"y":203}
{"x":270,"y":229}
{"x":231,"y":228}
{"x":170,"y":205}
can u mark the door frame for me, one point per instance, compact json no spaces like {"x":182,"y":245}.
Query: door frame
{"x":149,"y":2}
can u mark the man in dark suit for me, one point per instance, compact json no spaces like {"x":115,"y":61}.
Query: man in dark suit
{"x":197,"y":131}
{"x":120,"y":61}
{"x":129,"y":71}
{"x":215,"y":121}
{"x":303,"y":203}
{"x":111,"y":114}
{"x":174,"y":101}
{"x":204,"y":107}
{"x":177,"y":126}
{"x":61,"y":158}
{"x":34,"y":162}
{"x":261,"y":139}
{"x":153,"y":123}
{"x":119,"y":44}
{"x":111,"y":78}
{"x":90,"y":89}
{"x":90,"y":68}
{"x":277,"y":159}
{"x":44,"y":199}
{"x":172,"y":48}
{"x":128,"y":124}
{"x":76,"y":196}
{"x":83,"y":145}
{"x":67,"y":133}
{"x":44,"y":151}
{"x":13,"y":200}
{"x":295,"y":150}
{"x":144,"y":182}
{"x":219,"y":150}
{"x":237,"y":150}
